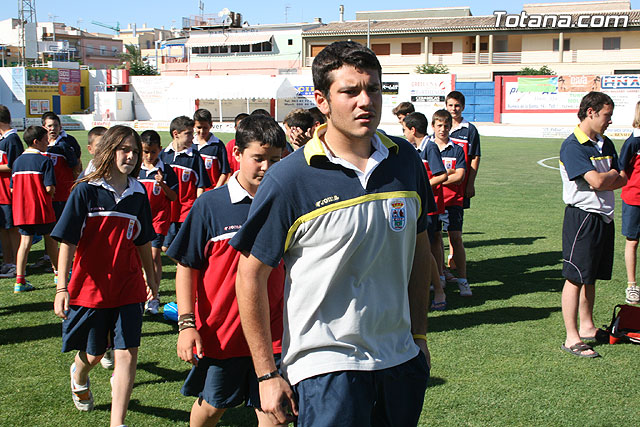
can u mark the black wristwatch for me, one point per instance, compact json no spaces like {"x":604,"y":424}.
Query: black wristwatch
{"x":268,"y":376}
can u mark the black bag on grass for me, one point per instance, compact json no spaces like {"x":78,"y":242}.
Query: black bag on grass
{"x":624,"y":327}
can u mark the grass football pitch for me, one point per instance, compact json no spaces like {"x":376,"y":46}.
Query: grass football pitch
{"x":496,"y":357}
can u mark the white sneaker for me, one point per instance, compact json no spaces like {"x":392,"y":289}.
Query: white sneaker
{"x":632,"y":294}
{"x":107,"y":359}
{"x":8,"y":270}
{"x":465,"y":289}
{"x":152,"y":306}
{"x":82,"y":396}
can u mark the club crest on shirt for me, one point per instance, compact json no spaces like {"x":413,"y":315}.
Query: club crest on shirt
{"x":54,"y":159}
{"x":156,"y":188}
{"x":397,"y":214}
{"x":448,"y":163}
{"x":208,"y":162}
{"x":132,"y":224}
{"x":186,"y":174}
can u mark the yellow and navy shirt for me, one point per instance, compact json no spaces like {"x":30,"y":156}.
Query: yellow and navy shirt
{"x":348,"y":240}
{"x":579,"y":155}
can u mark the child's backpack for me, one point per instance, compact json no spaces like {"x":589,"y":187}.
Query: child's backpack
{"x":624,"y":327}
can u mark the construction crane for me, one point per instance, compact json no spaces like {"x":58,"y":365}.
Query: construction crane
{"x":111,"y":27}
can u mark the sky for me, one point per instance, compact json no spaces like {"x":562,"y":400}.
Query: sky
{"x":169,"y":13}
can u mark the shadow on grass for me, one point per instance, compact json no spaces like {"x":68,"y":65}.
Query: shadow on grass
{"x":30,"y":333}
{"x":175,"y":415}
{"x":514,"y":241}
{"x":163,"y":374}
{"x":436,"y":381}
{"x":498,"y":316}
{"x":31,"y":308}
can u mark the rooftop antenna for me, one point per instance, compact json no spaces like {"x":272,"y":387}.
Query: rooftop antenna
{"x":286,"y":12}
{"x":201,"y":7}
{"x":27,"y":18}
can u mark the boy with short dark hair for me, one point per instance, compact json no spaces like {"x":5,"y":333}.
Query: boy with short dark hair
{"x":453,"y":192}
{"x":223,"y":375}
{"x":161,"y":184}
{"x":51,"y":122}
{"x":33,"y":183}
{"x":233,"y":163}
{"x":402,"y":109}
{"x":190,"y":170}
{"x":298,"y":125}
{"x":590,"y":172}
{"x":93,"y":139}
{"x":211,"y":148}
{"x":10,"y":148}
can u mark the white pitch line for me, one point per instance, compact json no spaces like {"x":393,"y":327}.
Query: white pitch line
{"x":541,"y":163}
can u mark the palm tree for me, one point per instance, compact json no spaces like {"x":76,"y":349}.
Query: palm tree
{"x":133,"y":61}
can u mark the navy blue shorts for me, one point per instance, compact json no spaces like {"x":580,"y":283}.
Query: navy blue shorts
{"x":36,"y":229}
{"x":434,"y":225}
{"x":630,"y":221}
{"x":86,"y":329}
{"x":6,"y":217}
{"x":452,"y":218}
{"x":171,"y":234}
{"x":224,"y":383}
{"x":388,"y":397}
{"x":58,"y":207}
{"x":587,"y":246}
{"x":158,"y":241}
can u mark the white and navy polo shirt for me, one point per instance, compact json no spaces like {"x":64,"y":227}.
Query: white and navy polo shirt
{"x":107,"y":229}
{"x":579,"y":155}
{"x":32,"y":172}
{"x":630,"y":163}
{"x":214,"y":156}
{"x":203,"y":244}
{"x":348,"y":240}
{"x":10,"y":148}
{"x":466,"y":135}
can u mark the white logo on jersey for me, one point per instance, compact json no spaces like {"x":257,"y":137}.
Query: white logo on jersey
{"x":186,"y":174}
{"x":397,"y":214}
{"x":132,"y":224}
{"x":156,"y":188}
{"x":208,"y":162}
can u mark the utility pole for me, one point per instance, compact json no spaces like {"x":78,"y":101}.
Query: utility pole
{"x":27,"y":18}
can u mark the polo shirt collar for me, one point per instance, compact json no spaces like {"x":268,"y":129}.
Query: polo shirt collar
{"x":32,"y":150}
{"x":583,"y":138}
{"x":187,"y":151}
{"x":316,"y":148}
{"x":61,"y":135}
{"x":158,"y":166}
{"x":463,"y":124}
{"x":212,"y":139}
{"x":133,"y":186}
{"x":449,"y":144}
{"x":236,"y":192}
{"x":423,"y":144}
{"x":9,"y":132}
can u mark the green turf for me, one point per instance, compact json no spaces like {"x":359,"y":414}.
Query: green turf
{"x":496,"y":357}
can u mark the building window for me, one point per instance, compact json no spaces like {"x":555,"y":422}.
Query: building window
{"x":148,"y":44}
{"x":245,"y":48}
{"x":235,"y":48}
{"x":315,"y":50}
{"x":411,"y":48}
{"x":484,"y":46}
{"x":290,"y":42}
{"x":611,"y":43}
{"x":442,"y":48}
{"x":381,"y":49}
{"x":103,"y":50}
{"x":566,"y":44}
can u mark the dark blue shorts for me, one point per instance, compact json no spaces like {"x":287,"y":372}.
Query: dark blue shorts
{"x":434,"y":225}
{"x":86,"y":329}
{"x":388,"y":397}
{"x":171,"y":234}
{"x":6,"y":217}
{"x":452,"y":218}
{"x":36,"y":229}
{"x":224,"y":383}
{"x":58,"y":207}
{"x":158,"y":241}
{"x":630,"y":221}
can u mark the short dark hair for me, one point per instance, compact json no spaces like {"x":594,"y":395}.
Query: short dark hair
{"x":458,"y":96}
{"x":33,"y":133}
{"x":595,"y":101}
{"x":317,"y":115}
{"x":50,"y":115}
{"x":443,"y":116}
{"x":262,"y":129}
{"x":151,"y":137}
{"x":417,"y":121}
{"x":338,"y":54}
{"x":5,"y":114}
{"x":180,"y":123}
{"x":95,"y":132}
{"x":202,"y":115}
{"x":299,"y":118}
{"x":404,"y":108}
{"x":260,"y":112}
{"x":239,"y":118}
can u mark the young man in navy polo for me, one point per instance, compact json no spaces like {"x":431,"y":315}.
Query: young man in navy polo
{"x":590,"y":173}
{"x":348,"y":213}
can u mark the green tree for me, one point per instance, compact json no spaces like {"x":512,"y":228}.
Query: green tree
{"x":542,"y":71}
{"x":133,"y":61}
{"x":432,"y":69}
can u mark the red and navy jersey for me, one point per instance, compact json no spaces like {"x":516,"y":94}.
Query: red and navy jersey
{"x":214,"y":156}
{"x":453,"y":158}
{"x":630,"y":162}
{"x":71,"y":141}
{"x":160,"y":204}
{"x":32,"y":172}
{"x":233,"y":163}
{"x":107,"y":229}
{"x":430,"y":155}
{"x":203,"y":244}
{"x":191,"y":173}
{"x":10,"y":148}
{"x":64,"y":159}
{"x":466,"y":136}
